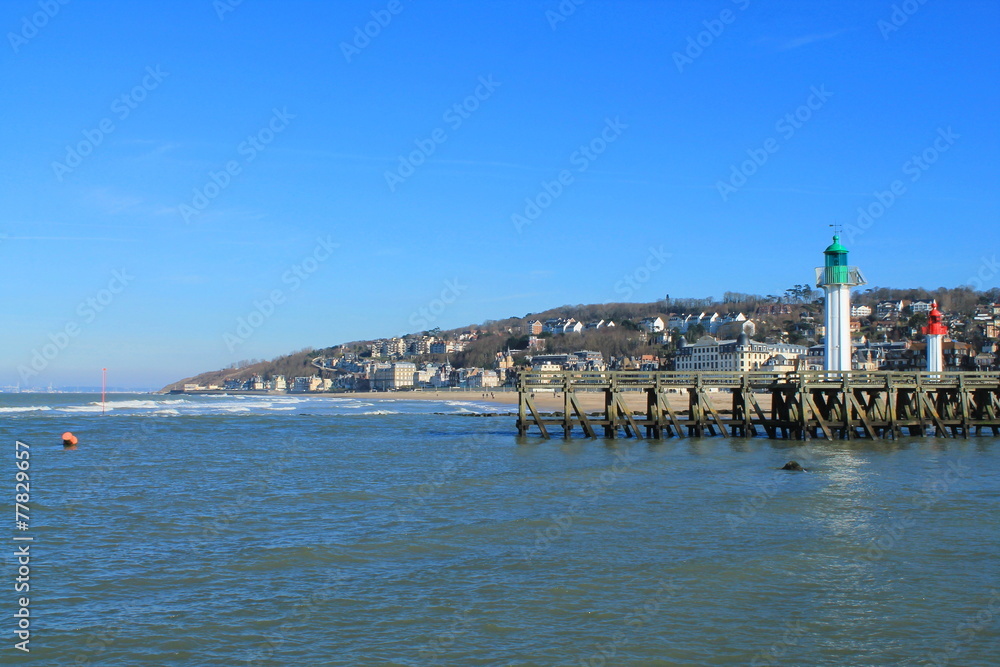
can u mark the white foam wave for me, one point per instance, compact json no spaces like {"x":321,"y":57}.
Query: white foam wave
{"x":256,"y":404}
{"x":136,"y":404}
{"x":26,"y":408}
{"x":466,"y":407}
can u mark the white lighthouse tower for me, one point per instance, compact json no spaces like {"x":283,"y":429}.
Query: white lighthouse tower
{"x":935,"y":332}
{"x":837,"y":278}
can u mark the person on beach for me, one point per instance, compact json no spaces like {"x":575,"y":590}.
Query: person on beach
{"x":69,"y":441}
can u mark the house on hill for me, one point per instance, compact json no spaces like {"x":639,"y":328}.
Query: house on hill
{"x":886,"y":310}
{"x":652,"y":324}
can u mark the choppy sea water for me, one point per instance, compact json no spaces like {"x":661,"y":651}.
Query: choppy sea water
{"x":237,"y":531}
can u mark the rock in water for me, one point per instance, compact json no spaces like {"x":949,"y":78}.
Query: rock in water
{"x":793,"y":465}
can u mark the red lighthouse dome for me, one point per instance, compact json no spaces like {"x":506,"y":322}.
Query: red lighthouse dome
{"x":935,"y":323}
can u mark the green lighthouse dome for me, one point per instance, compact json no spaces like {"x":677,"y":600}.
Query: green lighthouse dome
{"x":835,"y":247}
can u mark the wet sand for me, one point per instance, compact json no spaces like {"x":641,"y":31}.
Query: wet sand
{"x":552,"y":401}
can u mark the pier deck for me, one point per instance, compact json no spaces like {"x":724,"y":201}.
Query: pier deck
{"x":801,"y":405}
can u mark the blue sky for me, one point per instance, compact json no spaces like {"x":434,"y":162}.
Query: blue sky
{"x":349,"y":192}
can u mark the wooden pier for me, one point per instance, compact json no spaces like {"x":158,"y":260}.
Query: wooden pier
{"x":799,"y":405}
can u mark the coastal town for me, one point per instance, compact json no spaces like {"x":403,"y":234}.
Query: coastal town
{"x":779,"y":335}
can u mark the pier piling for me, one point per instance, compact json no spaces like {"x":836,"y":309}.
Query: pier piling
{"x":799,"y":405}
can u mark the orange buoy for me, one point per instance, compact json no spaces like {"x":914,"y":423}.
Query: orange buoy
{"x":70,"y":438}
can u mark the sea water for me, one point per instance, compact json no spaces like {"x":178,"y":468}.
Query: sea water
{"x":280,"y":530}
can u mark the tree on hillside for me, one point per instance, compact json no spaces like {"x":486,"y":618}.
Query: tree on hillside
{"x":694,"y":332}
{"x":480,"y":353}
{"x":799,"y":294}
{"x":516,"y":342}
{"x":613,"y":342}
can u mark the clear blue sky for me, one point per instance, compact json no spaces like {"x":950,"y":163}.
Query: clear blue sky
{"x":881,"y":93}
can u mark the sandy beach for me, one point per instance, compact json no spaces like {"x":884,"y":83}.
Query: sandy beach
{"x":548,"y":401}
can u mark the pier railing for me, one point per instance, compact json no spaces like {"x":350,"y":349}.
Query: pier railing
{"x":800,"y":404}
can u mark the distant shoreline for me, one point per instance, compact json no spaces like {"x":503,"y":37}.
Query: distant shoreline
{"x":544,"y":400}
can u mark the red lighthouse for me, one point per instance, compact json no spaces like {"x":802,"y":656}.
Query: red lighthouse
{"x":935,"y":332}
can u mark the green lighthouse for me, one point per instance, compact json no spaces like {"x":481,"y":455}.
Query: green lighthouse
{"x":837,"y":278}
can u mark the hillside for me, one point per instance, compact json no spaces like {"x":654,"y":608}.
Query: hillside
{"x":290,"y":365}
{"x":497,"y":335}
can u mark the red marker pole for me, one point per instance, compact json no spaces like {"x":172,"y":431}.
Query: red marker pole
{"x":104,"y":384}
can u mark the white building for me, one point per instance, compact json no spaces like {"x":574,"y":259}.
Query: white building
{"x":861,"y":311}
{"x":884,"y":309}
{"x":554,"y":325}
{"x":483,"y":380}
{"x":395,"y":376}
{"x":447,"y":346}
{"x":442,"y":376}
{"x":740,"y":355}
{"x":652,"y":324}
{"x":305,"y":384}
{"x":711,"y":323}
{"x":422,"y":376}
